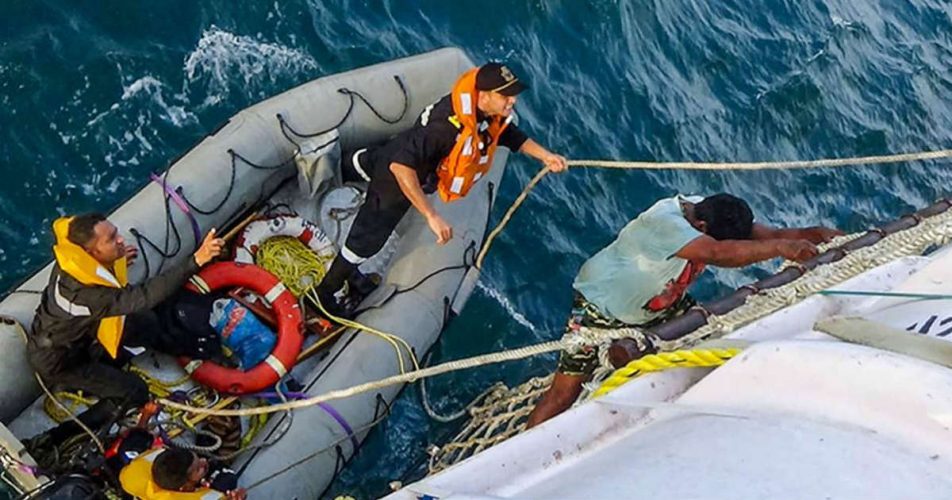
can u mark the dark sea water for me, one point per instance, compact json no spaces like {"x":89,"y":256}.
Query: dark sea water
{"x":95,"y":95}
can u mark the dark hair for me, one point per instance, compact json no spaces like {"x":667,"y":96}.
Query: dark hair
{"x":727,"y":217}
{"x":170,"y":469}
{"x":82,"y":229}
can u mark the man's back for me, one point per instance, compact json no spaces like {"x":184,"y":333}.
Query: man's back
{"x":63,"y":323}
{"x":624,"y":276}
{"x":431,"y":138}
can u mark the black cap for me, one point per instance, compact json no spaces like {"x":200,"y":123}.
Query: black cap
{"x":497,"y":77}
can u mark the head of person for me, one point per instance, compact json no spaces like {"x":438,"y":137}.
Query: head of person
{"x":498,"y":87}
{"x":178,"y":470}
{"x":723,"y":217}
{"x":98,"y":237}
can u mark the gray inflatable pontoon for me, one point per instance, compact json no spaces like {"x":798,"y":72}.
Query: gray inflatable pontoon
{"x":422,"y":281}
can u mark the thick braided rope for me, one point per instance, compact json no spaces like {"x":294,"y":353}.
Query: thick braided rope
{"x":404,"y":378}
{"x":693,"y":358}
{"x":647,"y":165}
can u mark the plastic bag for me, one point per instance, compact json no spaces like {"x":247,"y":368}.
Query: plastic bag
{"x":242,"y":332}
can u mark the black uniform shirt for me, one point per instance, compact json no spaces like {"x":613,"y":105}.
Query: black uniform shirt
{"x":431,"y":139}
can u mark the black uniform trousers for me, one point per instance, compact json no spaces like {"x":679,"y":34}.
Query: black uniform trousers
{"x":384,"y":207}
{"x":96,"y":374}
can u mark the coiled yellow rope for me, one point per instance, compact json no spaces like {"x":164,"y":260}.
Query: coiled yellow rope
{"x":301,"y":269}
{"x":693,"y":358}
{"x":296,"y":265}
{"x":72,"y":401}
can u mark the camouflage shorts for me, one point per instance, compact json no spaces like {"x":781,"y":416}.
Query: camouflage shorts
{"x":584,"y":313}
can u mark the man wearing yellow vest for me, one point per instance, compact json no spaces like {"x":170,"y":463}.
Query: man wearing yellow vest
{"x":452,"y":142}
{"x":89,"y":313}
{"x":175,"y":474}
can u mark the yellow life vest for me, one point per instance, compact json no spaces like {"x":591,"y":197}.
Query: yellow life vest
{"x":470,"y":157}
{"x":136,"y":480}
{"x":76,"y":262}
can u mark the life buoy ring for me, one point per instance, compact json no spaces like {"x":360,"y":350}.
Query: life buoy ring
{"x":290,"y":329}
{"x":246,"y":245}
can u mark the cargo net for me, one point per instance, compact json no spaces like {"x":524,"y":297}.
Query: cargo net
{"x":501,"y":415}
{"x":504,"y":412}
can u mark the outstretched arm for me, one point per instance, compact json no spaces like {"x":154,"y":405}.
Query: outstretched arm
{"x":149,"y":294}
{"x":814,"y":234}
{"x":739,"y":253}
{"x":410,"y":186}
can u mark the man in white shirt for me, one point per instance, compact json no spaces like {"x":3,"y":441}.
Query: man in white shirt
{"x":641,"y":279}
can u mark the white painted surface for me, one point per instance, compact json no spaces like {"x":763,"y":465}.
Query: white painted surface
{"x":798,"y":415}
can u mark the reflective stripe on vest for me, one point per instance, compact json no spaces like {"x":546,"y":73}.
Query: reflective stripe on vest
{"x":64,"y":303}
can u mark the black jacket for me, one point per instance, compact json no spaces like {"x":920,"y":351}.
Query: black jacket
{"x":431,"y":139}
{"x":67,"y":319}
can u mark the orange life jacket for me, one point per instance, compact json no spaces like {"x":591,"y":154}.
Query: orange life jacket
{"x":472,"y":155}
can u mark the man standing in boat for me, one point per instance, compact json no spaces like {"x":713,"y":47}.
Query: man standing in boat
{"x":453,"y":143}
{"x":89,"y":315}
{"x":641,"y":279}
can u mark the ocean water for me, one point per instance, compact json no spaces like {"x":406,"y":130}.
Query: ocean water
{"x":95,"y":95}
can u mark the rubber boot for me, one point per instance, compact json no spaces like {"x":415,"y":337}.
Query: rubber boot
{"x":102,"y":413}
{"x":361,"y":285}
{"x":333,"y":288}
{"x":42,"y":447}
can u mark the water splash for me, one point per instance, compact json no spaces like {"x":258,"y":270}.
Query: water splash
{"x":224,"y":61}
{"x":176,"y":113}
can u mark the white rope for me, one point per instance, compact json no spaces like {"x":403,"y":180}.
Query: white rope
{"x":452,"y":417}
{"x":413,"y":376}
{"x":766,"y":165}
{"x":648,"y":165}
{"x":432,"y":413}
{"x":935,"y":230}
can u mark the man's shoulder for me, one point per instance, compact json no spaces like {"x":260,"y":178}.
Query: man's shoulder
{"x":80,"y":292}
{"x":661,"y":210}
{"x":661,"y":222}
{"x":437,"y":116}
{"x":65,"y":281}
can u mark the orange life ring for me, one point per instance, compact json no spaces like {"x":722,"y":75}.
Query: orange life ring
{"x":290,"y":329}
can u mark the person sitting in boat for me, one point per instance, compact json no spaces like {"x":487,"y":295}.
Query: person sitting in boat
{"x":176,"y":474}
{"x":641,"y":279}
{"x":88,"y":298}
{"x":452,"y":142}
